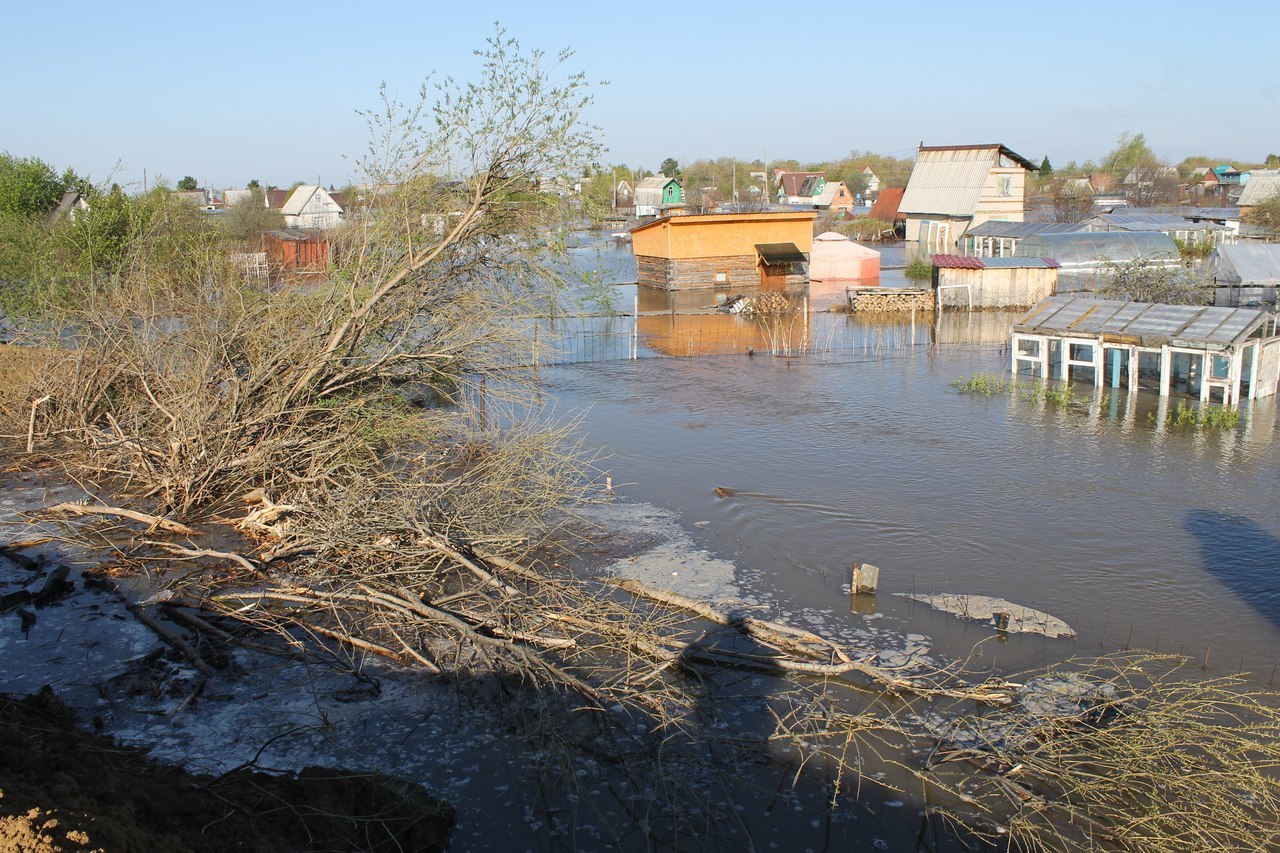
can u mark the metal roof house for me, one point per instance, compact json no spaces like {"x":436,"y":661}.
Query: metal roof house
{"x":791,"y":184}
{"x":954,"y":187}
{"x":311,"y":206}
{"x":1263,"y":185}
{"x":657,"y":193}
{"x":1210,"y":353}
{"x":1247,"y":274}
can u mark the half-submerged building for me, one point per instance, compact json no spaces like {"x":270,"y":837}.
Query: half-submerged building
{"x":1216,"y":354}
{"x":722,"y":250}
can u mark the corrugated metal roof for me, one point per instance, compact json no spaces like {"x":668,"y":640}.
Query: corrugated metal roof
{"x":948,"y":182}
{"x":298,"y":201}
{"x":655,"y":182}
{"x":1153,"y":323}
{"x":1147,"y":222}
{"x":962,"y":262}
{"x":1262,"y":185}
{"x":886,"y":205}
{"x":1247,"y":264}
{"x":999,"y":228}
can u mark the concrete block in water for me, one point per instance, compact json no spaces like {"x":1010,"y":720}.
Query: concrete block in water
{"x":866,"y":578}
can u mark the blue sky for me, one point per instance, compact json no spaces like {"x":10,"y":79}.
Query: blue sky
{"x":228,"y":91}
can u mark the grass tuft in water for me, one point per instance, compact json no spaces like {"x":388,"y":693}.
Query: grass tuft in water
{"x":1209,"y":417}
{"x":1060,"y":396}
{"x":987,"y":384}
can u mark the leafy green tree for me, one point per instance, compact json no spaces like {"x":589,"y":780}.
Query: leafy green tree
{"x":253,"y":184}
{"x":249,"y":218}
{"x":188,"y":183}
{"x":670,"y":168}
{"x":1131,"y":150}
{"x":28,"y":186}
{"x":1266,"y":216}
{"x":1046,"y":169}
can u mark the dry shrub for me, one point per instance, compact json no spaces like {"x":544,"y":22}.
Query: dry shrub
{"x":1132,"y":752}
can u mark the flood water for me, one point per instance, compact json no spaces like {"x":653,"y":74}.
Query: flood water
{"x":858,"y":450}
{"x":1136,"y":534}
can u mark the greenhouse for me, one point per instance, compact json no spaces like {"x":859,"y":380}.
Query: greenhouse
{"x":1245,"y":275}
{"x":1209,"y":353}
{"x":1087,"y":251}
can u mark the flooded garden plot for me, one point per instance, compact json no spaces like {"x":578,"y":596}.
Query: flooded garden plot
{"x":1135,"y":534}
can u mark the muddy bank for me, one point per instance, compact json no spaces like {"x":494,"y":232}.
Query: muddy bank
{"x":67,"y":789}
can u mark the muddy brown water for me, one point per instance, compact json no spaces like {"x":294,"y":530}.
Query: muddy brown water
{"x":1136,"y":534}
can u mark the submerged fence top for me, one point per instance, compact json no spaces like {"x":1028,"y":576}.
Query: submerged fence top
{"x":1194,"y":324}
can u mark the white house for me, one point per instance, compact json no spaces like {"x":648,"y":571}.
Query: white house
{"x":955,"y":186}
{"x":311,"y":207}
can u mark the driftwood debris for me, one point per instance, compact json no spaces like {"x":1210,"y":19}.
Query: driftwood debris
{"x":805,"y":652}
{"x":153,"y":521}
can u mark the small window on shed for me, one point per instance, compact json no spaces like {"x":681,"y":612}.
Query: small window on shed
{"x":1081,"y":352}
{"x":1029,"y":347}
{"x":1005,"y":185}
{"x":722,"y":277}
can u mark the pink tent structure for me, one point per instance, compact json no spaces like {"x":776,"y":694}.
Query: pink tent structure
{"x":836,"y":258}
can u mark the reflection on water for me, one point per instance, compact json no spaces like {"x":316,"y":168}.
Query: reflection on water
{"x":1134,"y":532}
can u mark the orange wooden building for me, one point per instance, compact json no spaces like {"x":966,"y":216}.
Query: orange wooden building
{"x":294,"y":250}
{"x":725,"y":250}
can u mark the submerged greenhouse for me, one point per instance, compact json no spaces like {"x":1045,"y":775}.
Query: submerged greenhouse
{"x":1223,"y":355}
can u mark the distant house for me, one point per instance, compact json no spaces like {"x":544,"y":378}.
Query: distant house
{"x":1263,"y":185}
{"x":277,"y":198}
{"x":725,"y":250}
{"x":873,"y":183}
{"x":312,"y":206}
{"x":1245,"y":275}
{"x":624,"y":199}
{"x":233,"y":197}
{"x":790,"y":185}
{"x":953,"y":187}
{"x":1102,"y":182}
{"x":834,"y":197}
{"x":657,"y":193}
{"x":195,"y":198}
{"x":71,"y":203}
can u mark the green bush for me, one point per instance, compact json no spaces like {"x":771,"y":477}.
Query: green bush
{"x":920,"y":268}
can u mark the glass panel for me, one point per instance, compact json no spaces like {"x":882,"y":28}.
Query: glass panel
{"x":1082,"y":352}
{"x":1187,"y":369}
{"x":1221,"y":367}
{"x":1029,"y":347}
{"x":1149,"y":371}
